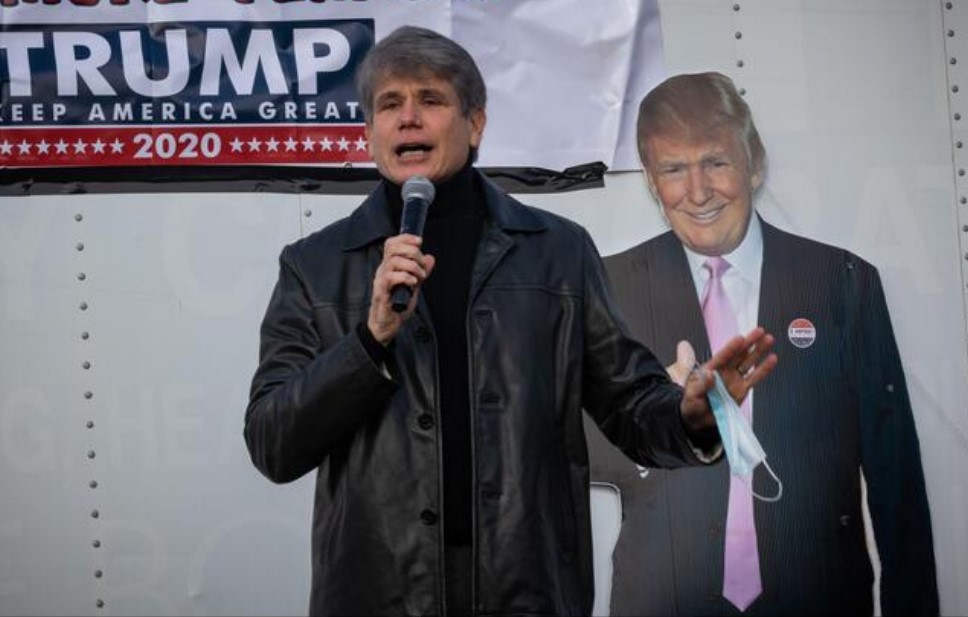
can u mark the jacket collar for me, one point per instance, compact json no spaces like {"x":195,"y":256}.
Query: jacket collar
{"x":370,"y":222}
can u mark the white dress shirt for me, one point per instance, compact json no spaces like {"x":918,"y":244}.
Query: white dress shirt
{"x":741,"y":281}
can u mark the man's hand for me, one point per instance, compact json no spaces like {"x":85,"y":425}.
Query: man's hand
{"x":403,"y":264}
{"x":742,"y":363}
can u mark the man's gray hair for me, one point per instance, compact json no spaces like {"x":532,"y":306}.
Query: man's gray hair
{"x":696,"y":105}
{"x":415,"y":52}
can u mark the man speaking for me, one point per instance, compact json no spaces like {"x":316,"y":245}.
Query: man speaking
{"x":447,"y":438}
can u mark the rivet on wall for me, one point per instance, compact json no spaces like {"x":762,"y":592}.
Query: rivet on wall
{"x":954,"y":77}
{"x":307,"y":213}
{"x":92,"y":483}
{"x":740,"y":62}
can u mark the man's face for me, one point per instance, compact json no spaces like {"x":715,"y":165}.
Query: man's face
{"x":705,"y":186}
{"x":417,"y":128}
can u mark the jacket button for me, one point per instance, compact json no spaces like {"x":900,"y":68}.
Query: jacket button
{"x":489,"y":398}
{"x":845,"y":520}
{"x":422,"y":335}
{"x":429,"y":517}
{"x":425,"y":421}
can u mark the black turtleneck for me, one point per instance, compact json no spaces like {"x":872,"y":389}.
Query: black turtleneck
{"x":451,"y":235}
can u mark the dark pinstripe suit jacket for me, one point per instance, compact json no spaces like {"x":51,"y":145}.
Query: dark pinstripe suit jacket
{"x":827,"y":412}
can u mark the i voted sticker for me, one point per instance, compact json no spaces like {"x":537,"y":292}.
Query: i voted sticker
{"x":801,"y":333}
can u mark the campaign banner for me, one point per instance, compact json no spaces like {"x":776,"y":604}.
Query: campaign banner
{"x":116,"y":83}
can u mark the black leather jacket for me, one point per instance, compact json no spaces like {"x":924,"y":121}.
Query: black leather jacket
{"x":545,"y":342}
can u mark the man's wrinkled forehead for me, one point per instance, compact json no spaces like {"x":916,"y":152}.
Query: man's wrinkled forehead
{"x":422,"y":75}
{"x":671,"y":142}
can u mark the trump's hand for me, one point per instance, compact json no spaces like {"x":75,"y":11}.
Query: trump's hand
{"x":685,"y":363}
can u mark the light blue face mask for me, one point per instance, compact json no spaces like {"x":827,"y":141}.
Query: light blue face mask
{"x":743,"y":449}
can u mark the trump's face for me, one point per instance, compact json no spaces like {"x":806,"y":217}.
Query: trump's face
{"x":705,"y":186}
{"x":418,"y":128}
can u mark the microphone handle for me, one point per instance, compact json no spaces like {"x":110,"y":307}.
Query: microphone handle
{"x":414,"y":216}
{"x":400,"y":298}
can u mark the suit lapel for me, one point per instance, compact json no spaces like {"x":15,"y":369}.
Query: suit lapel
{"x":678,"y":314}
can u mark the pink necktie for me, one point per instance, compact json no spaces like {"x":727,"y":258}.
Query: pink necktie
{"x":741,"y":562}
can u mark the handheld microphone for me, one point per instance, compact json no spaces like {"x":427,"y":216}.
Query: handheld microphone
{"x":418,"y":194}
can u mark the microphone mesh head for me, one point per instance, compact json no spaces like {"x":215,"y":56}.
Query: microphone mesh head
{"x":418,"y":187}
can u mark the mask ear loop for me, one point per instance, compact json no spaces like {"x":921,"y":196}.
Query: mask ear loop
{"x":779,"y":490}
{"x":779,"y":484}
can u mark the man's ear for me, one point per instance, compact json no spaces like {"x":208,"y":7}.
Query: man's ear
{"x":756,"y":180}
{"x":478,"y":119}
{"x":369,"y":143}
{"x":650,"y":182}
{"x":655,"y":194}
